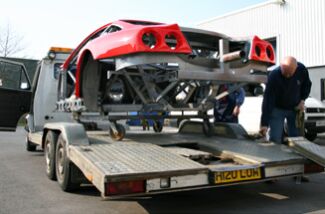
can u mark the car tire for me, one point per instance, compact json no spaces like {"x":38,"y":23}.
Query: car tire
{"x":49,"y":153}
{"x":120,"y":132}
{"x":64,"y":168}
{"x":157,"y":126}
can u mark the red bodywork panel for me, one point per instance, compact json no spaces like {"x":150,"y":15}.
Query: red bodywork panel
{"x":80,"y":46}
{"x":129,"y":40}
{"x":261,"y":50}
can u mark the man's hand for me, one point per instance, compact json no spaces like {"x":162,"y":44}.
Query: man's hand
{"x":301,"y":106}
{"x":236,"y":111}
{"x":263,"y":130}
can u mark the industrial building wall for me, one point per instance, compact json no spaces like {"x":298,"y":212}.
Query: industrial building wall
{"x":298,"y":24}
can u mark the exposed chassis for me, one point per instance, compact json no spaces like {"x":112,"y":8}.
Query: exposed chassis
{"x":161,"y":83}
{"x":183,"y":76}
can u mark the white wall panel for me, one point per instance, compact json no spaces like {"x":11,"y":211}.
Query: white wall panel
{"x":298,"y":23}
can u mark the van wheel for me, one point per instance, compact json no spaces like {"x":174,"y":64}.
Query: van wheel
{"x":64,"y":167}
{"x":49,"y":153}
{"x":30,"y":146}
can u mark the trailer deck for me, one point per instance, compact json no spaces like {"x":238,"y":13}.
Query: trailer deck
{"x":186,"y":160}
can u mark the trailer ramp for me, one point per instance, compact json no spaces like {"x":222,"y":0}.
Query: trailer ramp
{"x":308,"y":149}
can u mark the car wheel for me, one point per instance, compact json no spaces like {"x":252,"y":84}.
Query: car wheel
{"x":64,"y":167}
{"x":49,"y":153}
{"x":157,"y":126}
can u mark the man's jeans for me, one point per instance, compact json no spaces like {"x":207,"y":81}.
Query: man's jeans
{"x":277,"y":124}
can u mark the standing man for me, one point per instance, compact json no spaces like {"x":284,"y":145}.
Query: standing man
{"x":286,"y":90}
{"x":227,"y":108}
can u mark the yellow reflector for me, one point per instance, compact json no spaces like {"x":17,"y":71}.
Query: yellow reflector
{"x":61,"y":50}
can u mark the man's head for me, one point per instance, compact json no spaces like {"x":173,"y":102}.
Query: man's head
{"x":288,"y":66}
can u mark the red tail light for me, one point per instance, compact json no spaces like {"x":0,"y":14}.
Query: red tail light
{"x":163,"y":39}
{"x":261,"y":50}
{"x":124,"y":187}
{"x":313,"y":168}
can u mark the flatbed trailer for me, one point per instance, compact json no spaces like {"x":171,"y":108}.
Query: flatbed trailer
{"x":149,"y":163}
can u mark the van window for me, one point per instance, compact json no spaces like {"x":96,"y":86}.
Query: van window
{"x":56,"y":70}
{"x":12,"y":76}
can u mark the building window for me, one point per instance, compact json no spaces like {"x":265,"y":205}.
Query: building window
{"x":322,"y":89}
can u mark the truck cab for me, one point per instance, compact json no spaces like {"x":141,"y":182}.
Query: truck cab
{"x":45,"y":90}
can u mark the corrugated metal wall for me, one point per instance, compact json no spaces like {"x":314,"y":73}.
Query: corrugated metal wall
{"x":299,"y":25}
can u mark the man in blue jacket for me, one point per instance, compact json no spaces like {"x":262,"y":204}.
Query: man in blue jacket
{"x":287,"y":88}
{"x":227,"y":108}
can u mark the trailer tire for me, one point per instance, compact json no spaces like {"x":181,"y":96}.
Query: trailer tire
{"x":49,"y":153}
{"x":64,"y":167}
{"x":30,"y":147}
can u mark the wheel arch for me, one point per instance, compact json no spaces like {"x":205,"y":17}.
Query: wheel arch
{"x":83,"y":57}
{"x":72,"y":133}
{"x":45,"y":131}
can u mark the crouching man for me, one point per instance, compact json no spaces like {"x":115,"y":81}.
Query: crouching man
{"x":287,"y":88}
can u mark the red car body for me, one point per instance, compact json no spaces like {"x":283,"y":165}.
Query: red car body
{"x":129,"y":40}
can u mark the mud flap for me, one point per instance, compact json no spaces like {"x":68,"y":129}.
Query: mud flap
{"x":308,"y":149}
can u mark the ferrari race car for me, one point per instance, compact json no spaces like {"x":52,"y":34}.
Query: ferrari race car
{"x":147,"y":70}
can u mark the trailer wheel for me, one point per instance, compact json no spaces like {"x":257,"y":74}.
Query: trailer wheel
{"x":30,"y":146}
{"x":120,"y":132}
{"x":64,"y":167}
{"x":49,"y":153}
{"x":157,"y":126}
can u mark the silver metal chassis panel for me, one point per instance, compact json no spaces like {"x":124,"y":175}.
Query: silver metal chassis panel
{"x":195,"y":72}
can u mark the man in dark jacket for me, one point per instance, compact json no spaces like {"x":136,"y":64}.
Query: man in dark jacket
{"x":286,"y":90}
{"x":227,"y":108}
